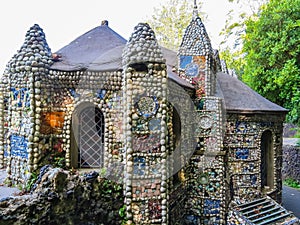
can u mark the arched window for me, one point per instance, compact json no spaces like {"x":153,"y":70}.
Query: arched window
{"x":267,"y":161}
{"x":88,"y":131}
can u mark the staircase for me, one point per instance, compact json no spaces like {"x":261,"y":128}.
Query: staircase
{"x":264,"y":211}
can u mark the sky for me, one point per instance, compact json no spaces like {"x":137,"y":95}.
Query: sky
{"x":65,"y":20}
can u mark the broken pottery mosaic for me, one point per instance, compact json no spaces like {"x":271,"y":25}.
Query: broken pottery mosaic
{"x":189,"y":143}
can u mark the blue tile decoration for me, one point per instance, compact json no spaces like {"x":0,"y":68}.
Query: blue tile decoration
{"x":5,"y":151}
{"x":248,"y":168}
{"x":139,"y":166}
{"x":147,"y":106}
{"x":154,"y":124}
{"x":155,"y":166}
{"x":192,"y":70}
{"x":114,"y":101}
{"x":242,"y":153}
{"x":19,"y":146}
{"x":241,"y":127}
{"x":253,"y":179}
{"x":20,"y":97}
{"x":211,"y":206}
{"x":185,"y":60}
{"x":192,"y":220}
{"x":101,"y":93}
{"x":74,"y":93}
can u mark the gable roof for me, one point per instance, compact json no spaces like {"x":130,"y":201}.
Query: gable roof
{"x":239,"y":97}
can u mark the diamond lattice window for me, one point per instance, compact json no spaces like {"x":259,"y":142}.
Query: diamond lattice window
{"x":91,"y":138}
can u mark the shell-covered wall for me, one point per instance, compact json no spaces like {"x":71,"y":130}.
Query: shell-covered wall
{"x":196,"y":59}
{"x":180,"y":156}
{"x":206,"y":175}
{"x":102,"y":91}
{"x":243,"y":141}
{"x":20,"y":114}
{"x":40,"y":105}
{"x":145,"y":128}
{"x":206,"y":178}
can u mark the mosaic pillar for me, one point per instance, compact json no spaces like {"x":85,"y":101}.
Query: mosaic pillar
{"x":25,"y":71}
{"x":196,"y":59}
{"x":4,"y":96}
{"x":145,"y":128}
{"x":206,"y":181}
{"x":206,"y":203}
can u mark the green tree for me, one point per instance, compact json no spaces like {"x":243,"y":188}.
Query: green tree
{"x":234,"y":60}
{"x":272,"y":48}
{"x":170,"y":20}
{"x":234,"y":31}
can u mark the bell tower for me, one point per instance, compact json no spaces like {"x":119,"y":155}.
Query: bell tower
{"x":195,"y":56}
{"x":205,"y":180}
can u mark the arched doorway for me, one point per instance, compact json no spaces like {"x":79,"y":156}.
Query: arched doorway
{"x":88,"y":137}
{"x":267,"y":161}
{"x":177,"y":164}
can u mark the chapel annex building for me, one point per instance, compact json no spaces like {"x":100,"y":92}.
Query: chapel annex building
{"x":191,"y":144}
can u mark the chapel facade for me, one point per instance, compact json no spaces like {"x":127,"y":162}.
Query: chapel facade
{"x":190,"y":143}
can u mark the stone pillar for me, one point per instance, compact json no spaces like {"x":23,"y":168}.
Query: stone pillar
{"x":145,"y":116}
{"x":206,"y":172}
{"x":25,"y":71}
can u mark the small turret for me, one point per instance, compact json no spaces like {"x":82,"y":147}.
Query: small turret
{"x":145,"y":118}
{"x":196,"y":57}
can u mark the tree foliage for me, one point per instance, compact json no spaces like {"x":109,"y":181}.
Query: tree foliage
{"x":234,"y":31}
{"x":234,"y":61}
{"x":170,"y":20}
{"x":272,"y":61}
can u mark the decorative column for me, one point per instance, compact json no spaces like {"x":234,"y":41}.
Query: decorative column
{"x":145,"y":129}
{"x":4,"y":95}
{"x":206,"y":174}
{"x":25,"y":73}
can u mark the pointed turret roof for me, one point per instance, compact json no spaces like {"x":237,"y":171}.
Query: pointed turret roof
{"x":142,"y":46}
{"x":33,"y":56}
{"x":195,"y":40}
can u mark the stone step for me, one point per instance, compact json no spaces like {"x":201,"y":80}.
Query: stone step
{"x":263,"y":211}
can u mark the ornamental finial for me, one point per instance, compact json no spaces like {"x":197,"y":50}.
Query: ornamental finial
{"x":195,"y":12}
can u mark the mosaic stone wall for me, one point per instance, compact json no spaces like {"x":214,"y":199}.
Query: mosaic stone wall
{"x":290,"y":164}
{"x":180,"y":162}
{"x":40,"y":106}
{"x":206,"y":172}
{"x":101,"y":90}
{"x":22,"y":79}
{"x":145,"y":128}
{"x":243,"y":140}
{"x":4,"y":96}
{"x":196,"y":58}
{"x":206,"y":187}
